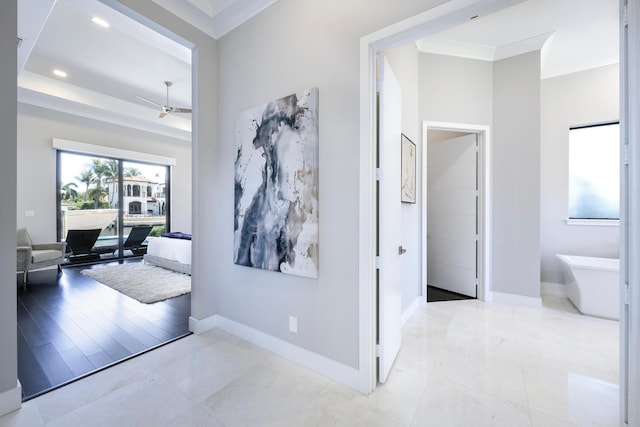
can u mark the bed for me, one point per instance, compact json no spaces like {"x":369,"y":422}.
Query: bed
{"x":171,"y":251}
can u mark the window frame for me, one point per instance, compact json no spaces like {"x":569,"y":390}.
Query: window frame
{"x":584,"y":221}
{"x":122,"y":156}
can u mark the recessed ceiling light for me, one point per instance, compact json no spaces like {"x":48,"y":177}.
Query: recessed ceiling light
{"x":100,"y":21}
{"x":59,"y":73}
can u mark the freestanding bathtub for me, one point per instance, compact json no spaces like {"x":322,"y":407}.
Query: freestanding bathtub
{"x":592,"y":284}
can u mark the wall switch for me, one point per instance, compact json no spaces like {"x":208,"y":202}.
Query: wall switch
{"x":29,"y":213}
{"x":293,"y":324}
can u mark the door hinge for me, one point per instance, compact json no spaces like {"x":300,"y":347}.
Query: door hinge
{"x":625,"y":15}
{"x":626,"y":294}
{"x":378,"y":350}
{"x":378,"y":263}
{"x":626,"y":154}
{"x":378,"y":174}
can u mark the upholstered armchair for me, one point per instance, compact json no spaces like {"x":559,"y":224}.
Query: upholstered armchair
{"x":32,"y":256}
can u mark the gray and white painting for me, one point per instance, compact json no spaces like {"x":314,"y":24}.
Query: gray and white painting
{"x":276,"y":186}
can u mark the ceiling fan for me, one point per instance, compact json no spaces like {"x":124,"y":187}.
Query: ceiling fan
{"x":165,"y":109}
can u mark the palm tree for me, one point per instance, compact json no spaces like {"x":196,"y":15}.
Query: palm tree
{"x":99,"y":169}
{"x":97,"y":195}
{"x":69,"y":191}
{"x":131,"y":172}
{"x":87,"y":177}
{"x":111,"y":176}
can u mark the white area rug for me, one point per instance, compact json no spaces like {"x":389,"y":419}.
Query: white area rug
{"x":144,"y":282}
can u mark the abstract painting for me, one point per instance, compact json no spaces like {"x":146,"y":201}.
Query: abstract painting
{"x":408,"y":154}
{"x":276,"y":186}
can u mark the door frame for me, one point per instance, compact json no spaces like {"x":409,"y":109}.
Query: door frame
{"x":434,"y":20}
{"x":484,"y":214}
{"x":629,"y":212}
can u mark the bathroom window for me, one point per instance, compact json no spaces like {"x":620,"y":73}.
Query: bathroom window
{"x":594,"y":172}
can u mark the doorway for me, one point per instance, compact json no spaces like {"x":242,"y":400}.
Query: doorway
{"x":390,"y":37}
{"x":456,"y":182}
{"x":452,"y":192}
{"x":108,"y":326}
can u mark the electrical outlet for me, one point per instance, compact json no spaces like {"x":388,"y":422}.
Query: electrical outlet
{"x":293,"y":324}
{"x":29,"y":213}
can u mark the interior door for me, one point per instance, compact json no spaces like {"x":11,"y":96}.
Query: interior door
{"x":452,"y":214}
{"x":389,"y":216}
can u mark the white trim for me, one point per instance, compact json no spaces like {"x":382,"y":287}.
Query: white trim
{"x":440,"y":18}
{"x":594,"y":222}
{"x":512,"y":299}
{"x":485,"y":216}
{"x":11,"y":400}
{"x":200,"y":326}
{"x":630,"y":211}
{"x":367,"y":222}
{"x":551,"y":288}
{"x":330,"y":368}
{"x":100,"y":150}
{"x":412,"y":309}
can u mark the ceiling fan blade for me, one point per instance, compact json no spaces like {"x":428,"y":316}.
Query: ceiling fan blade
{"x":150,"y":102}
{"x":165,"y":109}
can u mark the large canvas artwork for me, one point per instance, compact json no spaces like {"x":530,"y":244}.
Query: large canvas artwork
{"x":276,"y":186}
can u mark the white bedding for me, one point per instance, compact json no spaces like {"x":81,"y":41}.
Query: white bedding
{"x":178,"y":250}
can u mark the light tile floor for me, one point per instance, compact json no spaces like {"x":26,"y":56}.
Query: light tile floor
{"x":462,"y":363}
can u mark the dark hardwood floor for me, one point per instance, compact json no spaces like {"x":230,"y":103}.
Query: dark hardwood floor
{"x":436,"y":294}
{"x":70,"y":325}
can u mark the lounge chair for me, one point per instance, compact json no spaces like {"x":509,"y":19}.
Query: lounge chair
{"x":134,"y":242}
{"x":32,"y":256}
{"x":80,"y":243}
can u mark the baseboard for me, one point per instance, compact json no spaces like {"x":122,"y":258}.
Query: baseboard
{"x":11,"y":399}
{"x":330,"y":368}
{"x":412,"y":309}
{"x":553,"y":288}
{"x":520,"y":300}
{"x":199,"y":326}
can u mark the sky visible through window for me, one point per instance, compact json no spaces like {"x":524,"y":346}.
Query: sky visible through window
{"x":594,"y":172}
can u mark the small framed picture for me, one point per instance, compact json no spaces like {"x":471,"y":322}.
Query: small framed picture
{"x":408,"y":174}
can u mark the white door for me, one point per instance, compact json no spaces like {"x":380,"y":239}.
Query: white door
{"x":390,"y":228}
{"x":452,"y":214}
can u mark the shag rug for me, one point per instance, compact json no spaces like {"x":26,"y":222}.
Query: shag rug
{"x":144,"y":282}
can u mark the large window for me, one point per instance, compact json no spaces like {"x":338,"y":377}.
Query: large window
{"x":101,"y":199}
{"x":594,"y":172}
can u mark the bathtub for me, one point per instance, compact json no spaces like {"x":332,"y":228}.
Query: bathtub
{"x":593,"y":285}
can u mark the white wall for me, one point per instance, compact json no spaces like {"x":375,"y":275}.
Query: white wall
{"x":516,"y":176}
{"x":405,"y":62}
{"x":582,"y":98}
{"x":293,"y":45}
{"x":9,"y":393}
{"x":455,"y":90}
{"x":37,"y":164}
